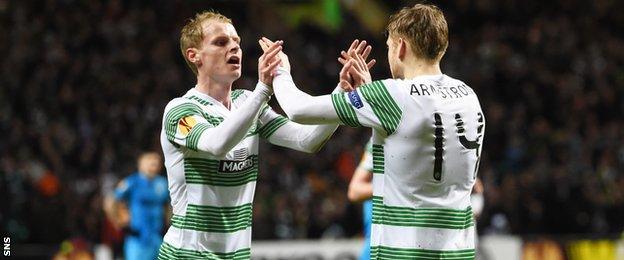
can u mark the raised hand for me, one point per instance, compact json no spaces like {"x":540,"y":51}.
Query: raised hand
{"x":360,"y":47}
{"x":265,"y":43}
{"x":268,"y":62}
{"x":355,"y":71}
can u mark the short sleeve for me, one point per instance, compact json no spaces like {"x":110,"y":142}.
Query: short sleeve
{"x":371,"y":105}
{"x":184,"y":122}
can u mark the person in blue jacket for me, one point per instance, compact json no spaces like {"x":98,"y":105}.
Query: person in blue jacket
{"x":146,"y":195}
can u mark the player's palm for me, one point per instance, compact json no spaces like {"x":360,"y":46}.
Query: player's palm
{"x":355,"y":71}
{"x":265,"y":43}
{"x":268,"y":63}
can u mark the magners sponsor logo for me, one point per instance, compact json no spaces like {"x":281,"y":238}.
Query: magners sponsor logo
{"x":235,"y":166}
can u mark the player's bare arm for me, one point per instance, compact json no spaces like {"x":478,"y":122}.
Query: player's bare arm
{"x":360,"y":187}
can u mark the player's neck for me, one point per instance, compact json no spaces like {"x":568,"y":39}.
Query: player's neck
{"x":220,"y":91}
{"x":419,"y":67}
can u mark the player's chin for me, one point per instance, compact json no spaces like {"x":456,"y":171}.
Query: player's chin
{"x":235,"y":74}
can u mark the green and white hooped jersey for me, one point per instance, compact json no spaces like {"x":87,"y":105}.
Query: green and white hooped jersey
{"x":427,"y":138}
{"x":211,"y":196}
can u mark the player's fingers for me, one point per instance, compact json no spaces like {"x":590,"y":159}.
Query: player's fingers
{"x":346,"y":66}
{"x":273,"y":66}
{"x":356,"y":63}
{"x":371,"y":63}
{"x":345,"y":69}
{"x":344,"y":54}
{"x":270,"y":62}
{"x":361,"y":62}
{"x":342,"y":60}
{"x":358,"y":76}
{"x":366,"y":52}
{"x":274,"y":46}
{"x":273,"y":52}
{"x":344,"y":57}
{"x":360,"y":47}
{"x":261,"y":58}
{"x":354,"y":44}
{"x":267,"y":40}
{"x":355,"y":72}
{"x":263,"y":45}
{"x":268,"y":56}
{"x":270,"y":66}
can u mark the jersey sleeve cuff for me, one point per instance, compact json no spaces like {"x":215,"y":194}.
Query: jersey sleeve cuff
{"x":263,"y":89}
{"x":338,"y":89}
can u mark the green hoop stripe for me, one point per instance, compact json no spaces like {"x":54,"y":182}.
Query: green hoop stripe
{"x":200,"y":100}
{"x":193,"y":136}
{"x":176,"y":113}
{"x":214,"y":219}
{"x":206,"y":172}
{"x":214,"y":120}
{"x":378,"y":159}
{"x":168,"y":252}
{"x":394,"y":253}
{"x":345,"y":111}
{"x":421,"y":217}
{"x":236,"y":93}
{"x":384,"y":106}
{"x":269,"y":128}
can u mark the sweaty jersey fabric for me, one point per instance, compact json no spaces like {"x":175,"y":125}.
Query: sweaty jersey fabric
{"x":211,"y":196}
{"x":427,"y":136}
{"x":146,"y":199}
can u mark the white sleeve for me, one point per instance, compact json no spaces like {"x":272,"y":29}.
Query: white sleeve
{"x":299,"y":106}
{"x":370,"y":105}
{"x":186,"y":125}
{"x":280,"y":131}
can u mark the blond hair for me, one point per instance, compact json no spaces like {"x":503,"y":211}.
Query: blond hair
{"x":192,"y":33}
{"x":424,"y":27}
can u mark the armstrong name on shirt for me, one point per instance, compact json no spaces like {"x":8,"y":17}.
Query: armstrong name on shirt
{"x":443,"y":91}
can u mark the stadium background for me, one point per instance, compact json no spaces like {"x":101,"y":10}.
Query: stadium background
{"x":84,"y":83}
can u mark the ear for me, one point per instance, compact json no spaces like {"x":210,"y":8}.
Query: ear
{"x":193,"y":56}
{"x":402,"y":49}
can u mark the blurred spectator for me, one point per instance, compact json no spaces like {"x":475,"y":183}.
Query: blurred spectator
{"x":145,"y":195}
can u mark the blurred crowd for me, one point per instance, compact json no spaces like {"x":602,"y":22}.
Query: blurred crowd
{"x":83,"y":85}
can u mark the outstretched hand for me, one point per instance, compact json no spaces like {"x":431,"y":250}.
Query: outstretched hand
{"x":355,"y":71}
{"x":265,"y":43}
{"x":268,"y":62}
{"x":360,"y":47}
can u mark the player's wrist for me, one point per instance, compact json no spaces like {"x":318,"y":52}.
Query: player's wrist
{"x":338,"y":89}
{"x":281,"y":71}
{"x":264,"y":89}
